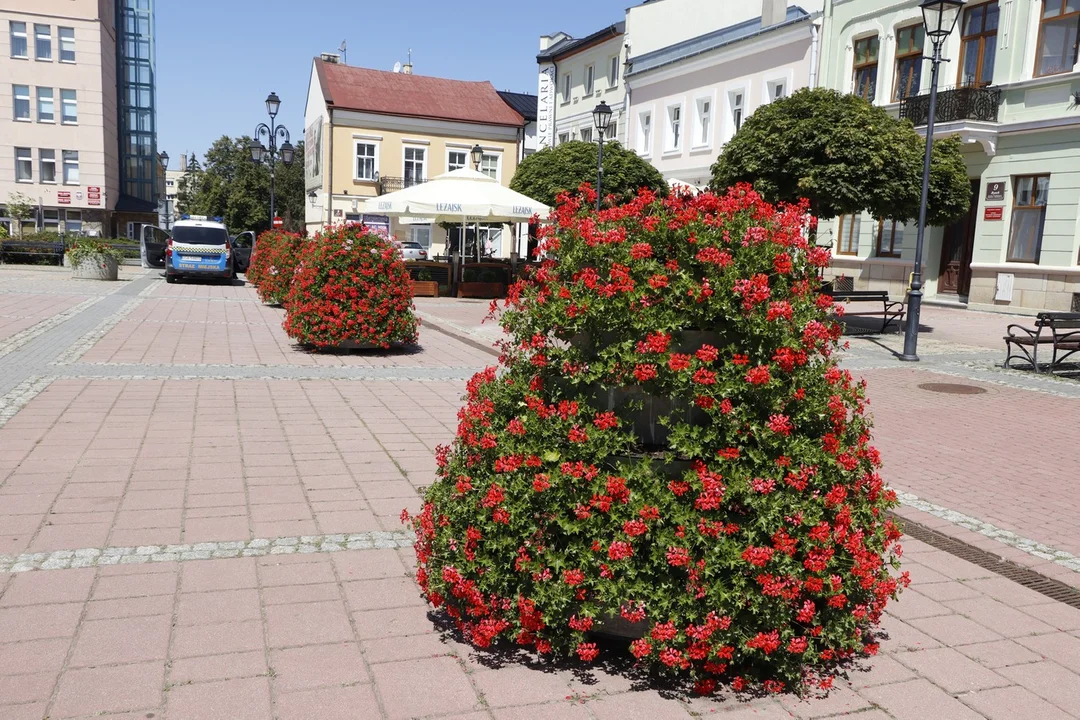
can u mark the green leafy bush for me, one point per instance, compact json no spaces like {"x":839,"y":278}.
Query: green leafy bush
{"x":92,"y":249}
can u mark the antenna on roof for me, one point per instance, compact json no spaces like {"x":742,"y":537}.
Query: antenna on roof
{"x":397,"y":67}
{"x":407,"y":69}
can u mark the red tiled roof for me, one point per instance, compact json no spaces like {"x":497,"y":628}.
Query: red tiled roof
{"x":389,"y":93}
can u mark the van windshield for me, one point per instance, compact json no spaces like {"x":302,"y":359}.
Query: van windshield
{"x":193,"y":235}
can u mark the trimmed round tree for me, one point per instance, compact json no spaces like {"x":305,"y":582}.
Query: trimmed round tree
{"x":669,"y":452}
{"x":351,"y":290}
{"x":565,"y":167}
{"x":273,"y":264}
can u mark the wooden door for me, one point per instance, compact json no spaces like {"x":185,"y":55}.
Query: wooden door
{"x":957,"y":246}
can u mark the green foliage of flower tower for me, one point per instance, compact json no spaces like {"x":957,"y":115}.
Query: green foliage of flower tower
{"x":668,"y":450}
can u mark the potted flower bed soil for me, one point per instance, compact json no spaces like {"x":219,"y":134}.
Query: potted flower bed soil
{"x":667,"y":452}
{"x":93,"y":259}
{"x":481,"y":282}
{"x":423,"y":285}
{"x":351,"y":292}
{"x":273,"y":264}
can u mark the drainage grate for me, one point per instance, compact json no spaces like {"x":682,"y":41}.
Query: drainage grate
{"x":952,"y":388}
{"x":1053,"y":589}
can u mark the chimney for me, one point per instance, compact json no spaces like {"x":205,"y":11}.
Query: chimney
{"x":773,"y":12}
{"x":330,"y":58}
{"x":183,"y":162}
{"x":407,"y":67}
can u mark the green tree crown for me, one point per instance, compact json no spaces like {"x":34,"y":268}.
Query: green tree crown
{"x":543,"y":175}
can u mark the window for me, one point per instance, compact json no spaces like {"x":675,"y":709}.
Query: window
{"x":67,"y":44}
{"x":866,"y":57}
{"x":21,"y":101}
{"x":909,"y":61}
{"x":567,"y":79}
{"x":24,"y":165}
{"x":978,"y":48}
{"x":45,"y":109}
{"x":414,"y":165}
{"x":612,"y":130}
{"x":1057,"y":37}
{"x":674,"y":134}
{"x":847,"y":241}
{"x":489,"y":165}
{"x":366,"y":161}
{"x":69,"y":107}
{"x":47,"y":165}
{"x":703,"y":124}
{"x":456,"y":159}
{"x":890,"y":238}
{"x":585,"y":134}
{"x":50,"y":220}
{"x":736,"y":101}
{"x":613,"y":71}
{"x":1028,"y":215}
{"x":18,"y":39}
{"x":590,"y":77}
{"x":777,"y":90}
{"x":564,"y":138}
{"x":645,"y":133}
{"x":43,"y":42}
{"x":490,"y":239}
{"x":73,"y":222}
{"x":421,"y":234}
{"x":71,"y":167}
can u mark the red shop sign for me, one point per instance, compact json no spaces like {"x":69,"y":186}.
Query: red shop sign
{"x":993,"y":213}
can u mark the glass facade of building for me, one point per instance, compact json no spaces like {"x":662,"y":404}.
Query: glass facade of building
{"x":137,"y":99}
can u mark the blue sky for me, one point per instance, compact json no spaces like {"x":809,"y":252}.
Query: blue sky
{"x":218,"y":59}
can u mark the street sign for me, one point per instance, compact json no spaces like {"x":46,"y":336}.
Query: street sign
{"x":995,"y":192}
{"x":994,"y":213}
{"x":278,"y":222}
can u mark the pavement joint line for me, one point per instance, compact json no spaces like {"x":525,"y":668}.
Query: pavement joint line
{"x":295,"y":545}
{"x":21,"y":395}
{"x":459,"y":333}
{"x":36,"y":330}
{"x":81,"y":346}
{"x":1005,"y":537}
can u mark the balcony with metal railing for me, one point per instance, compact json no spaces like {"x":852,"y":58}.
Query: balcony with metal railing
{"x":388,"y":184}
{"x":979,"y":104}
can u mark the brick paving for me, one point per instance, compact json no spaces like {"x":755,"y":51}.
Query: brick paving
{"x":199,"y":520}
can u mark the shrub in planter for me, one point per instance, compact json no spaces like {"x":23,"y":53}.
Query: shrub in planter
{"x":752,"y":546}
{"x":94,"y":259}
{"x":352,"y":289}
{"x":273,"y":263}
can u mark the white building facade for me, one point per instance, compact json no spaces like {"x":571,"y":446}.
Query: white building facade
{"x":576,"y":75}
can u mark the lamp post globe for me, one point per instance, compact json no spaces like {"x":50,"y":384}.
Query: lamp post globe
{"x":163,"y":158}
{"x":257,"y":150}
{"x":273,"y":103}
{"x":477,"y":156}
{"x":939,"y":17}
{"x":287,"y":152}
{"x":601,"y":116}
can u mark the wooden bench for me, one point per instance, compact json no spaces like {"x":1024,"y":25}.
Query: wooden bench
{"x":1060,"y":331}
{"x":891,"y":310}
{"x":34,"y":248}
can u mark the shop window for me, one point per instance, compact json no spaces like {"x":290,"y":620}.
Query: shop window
{"x":909,"y":61}
{"x":1028,"y":217}
{"x":421,"y":234}
{"x":978,"y":48}
{"x":866,"y":66}
{"x":1057,"y":37}
{"x":73,"y":221}
{"x":847,"y":241}
{"x":890,"y":238}
{"x":50,"y":220}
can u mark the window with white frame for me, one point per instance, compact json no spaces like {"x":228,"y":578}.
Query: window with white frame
{"x":777,"y":90}
{"x":43,"y":42}
{"x":489,"y":165}
{"x":73,"y":220}
{"x":367,"y":161}
{"x":703,"y":128}
{"x":46,"y":111}
{"x":456,"y":159}
{"x":414,"y":165}
{"x":735,"y":102}
{"x":67,"y":44}
{"x":590,"y":78}
{"x":18,"y":39}
{"x":47,"y":166}
{"x":613,"y":71}
{"x":567,"y":79}
{"x":21,"y":101}
{"x":612,"y":129}
{"x":673,"y":137}
{"x":490,"y":239}
{"x":644,"y":133}
{"x":421,"y":234}
{"x":24,"y":165}
{"x":564,"y":138}
{"x":585,"y":134}
{"x":71,"y":167}
{"x":69,"y":107}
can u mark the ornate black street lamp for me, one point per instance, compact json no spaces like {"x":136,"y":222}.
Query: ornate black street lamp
{"x":601,"y":115}
{"x":272,"y":154}
{"x":477,"y":157}
{"x":939,"y":19}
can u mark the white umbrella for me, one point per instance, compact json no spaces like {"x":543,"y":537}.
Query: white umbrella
{"x":675,"y":184}
{"x":458,"y":196}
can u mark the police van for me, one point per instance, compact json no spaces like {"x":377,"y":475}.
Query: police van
{"x":199,"y":247}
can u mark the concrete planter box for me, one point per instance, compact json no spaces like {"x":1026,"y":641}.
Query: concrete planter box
{"x":97,"y":267}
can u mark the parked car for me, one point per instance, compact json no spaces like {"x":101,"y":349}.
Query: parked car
{"x":199,"y":248}
{"x":411,"y":250}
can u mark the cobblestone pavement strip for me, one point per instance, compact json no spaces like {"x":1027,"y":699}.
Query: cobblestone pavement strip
{"x":199,"y":521}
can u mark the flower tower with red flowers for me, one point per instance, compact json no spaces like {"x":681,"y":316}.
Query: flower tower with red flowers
{"x":273,"y":263}
{"x":669,"y":451}
{"x":351,"y":291}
